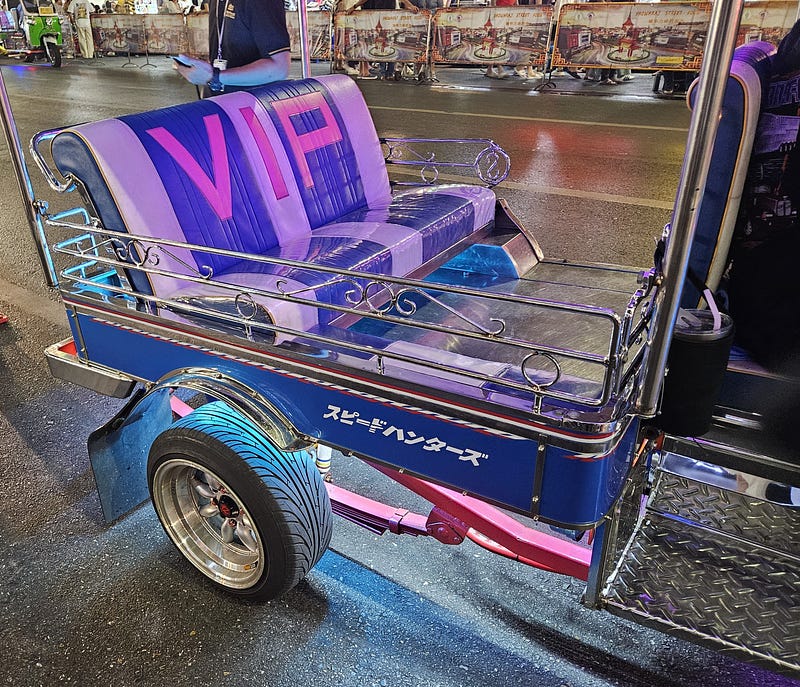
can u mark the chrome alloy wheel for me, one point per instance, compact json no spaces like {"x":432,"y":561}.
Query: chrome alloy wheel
{"x":208,"y":523}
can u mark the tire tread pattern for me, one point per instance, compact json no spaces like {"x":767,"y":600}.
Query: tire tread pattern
{"x":294,"y":492}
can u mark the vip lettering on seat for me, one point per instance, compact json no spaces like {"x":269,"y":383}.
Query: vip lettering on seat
{"x":217,"y":196}
{"x":217,"y":191}
{"x":267,"y":153}
{"x":318,"y":113}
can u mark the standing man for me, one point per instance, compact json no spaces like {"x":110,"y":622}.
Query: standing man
{"x":80,"y":11}
{"x":248,"y":46}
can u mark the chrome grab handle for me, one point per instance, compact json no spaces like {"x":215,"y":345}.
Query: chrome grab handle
{"x":52,"y":180}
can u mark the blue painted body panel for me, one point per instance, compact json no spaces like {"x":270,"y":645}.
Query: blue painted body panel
{"x":576,"y":489}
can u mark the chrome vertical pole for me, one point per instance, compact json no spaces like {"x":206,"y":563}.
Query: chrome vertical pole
{"x":25,"y":187}
{"x":305,"y":58}
{"x":723,"y":28}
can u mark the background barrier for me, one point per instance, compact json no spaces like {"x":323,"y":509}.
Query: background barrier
{"x":766,"y":20}
{"x":383,"y":36}
{"x":492,"y":35}
{"x":641,"y":36}
{"x":141,"y":33}
{"x":632,"y":36}
{"x":320,"y":34}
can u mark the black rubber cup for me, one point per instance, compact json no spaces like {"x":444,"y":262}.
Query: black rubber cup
{"x":698,"y":357}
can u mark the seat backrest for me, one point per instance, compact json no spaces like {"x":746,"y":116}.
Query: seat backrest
{"x":244,"y":171}
{"x":719,"y":205}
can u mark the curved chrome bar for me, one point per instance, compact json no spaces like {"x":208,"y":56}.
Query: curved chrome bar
{"x":45,"y":137}
{"x":491,"y":164}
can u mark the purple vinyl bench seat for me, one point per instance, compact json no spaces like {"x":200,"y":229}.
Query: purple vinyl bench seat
{"x":293,"y":170}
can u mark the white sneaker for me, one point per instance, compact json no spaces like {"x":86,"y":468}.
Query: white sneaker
{"x":352,"y":71}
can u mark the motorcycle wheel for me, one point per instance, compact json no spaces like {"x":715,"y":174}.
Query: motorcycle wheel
{"x":53,"y":52}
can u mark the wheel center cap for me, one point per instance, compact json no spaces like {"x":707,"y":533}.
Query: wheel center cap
{"x":227,"y":507}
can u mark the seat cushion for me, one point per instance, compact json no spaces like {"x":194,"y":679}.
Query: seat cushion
{"x":719,"y":206}
{"x":396,"y":241}
{"x":441,"y":215}
{"x":241,"y":172}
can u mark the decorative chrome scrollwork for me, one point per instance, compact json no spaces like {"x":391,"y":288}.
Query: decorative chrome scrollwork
{"x":384,"y":299}
{"x":492,"y":165}
{"x":368,"y":294}
{"x":139,"y":254}
{"x":135,"y":252}
{"x":538,"y":386}
{"x":399,"y":149}
{"x":430,"y":175}
{"x":399,"y":302}
{"x":246,"y":306}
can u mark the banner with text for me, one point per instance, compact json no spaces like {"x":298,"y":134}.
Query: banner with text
{"x":383,"y":36}
{"x":766,"y":20}
{"x":668,"y":35}
{"x":492,"y":35}
{"x":319,"y":34}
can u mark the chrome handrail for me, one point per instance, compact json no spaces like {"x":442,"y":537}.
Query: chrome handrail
{"x":125,"y":252}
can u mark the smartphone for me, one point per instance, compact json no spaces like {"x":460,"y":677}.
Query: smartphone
{"x":180,"y":61}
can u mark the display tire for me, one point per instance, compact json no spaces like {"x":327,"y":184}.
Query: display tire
{"x":282,"y":497}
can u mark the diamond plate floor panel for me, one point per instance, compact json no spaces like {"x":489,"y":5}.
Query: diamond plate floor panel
{"x":742,"y":516}
{"x":711,"y":588}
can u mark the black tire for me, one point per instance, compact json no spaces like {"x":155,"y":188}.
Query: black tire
{"x":30,"y":57}
{"x":279,"y":497}
{"x":53,"y":53}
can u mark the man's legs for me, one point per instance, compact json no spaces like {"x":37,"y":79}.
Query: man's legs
{"x":86,"y":42}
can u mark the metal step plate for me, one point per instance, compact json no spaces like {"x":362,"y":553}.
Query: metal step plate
{"x":714,"y":586}
{"x":719,"y":507}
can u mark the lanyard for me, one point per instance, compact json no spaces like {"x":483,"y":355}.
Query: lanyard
{"x":221,"y":27}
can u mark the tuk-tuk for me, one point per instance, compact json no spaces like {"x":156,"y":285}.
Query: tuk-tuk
{"x":245,"y":274}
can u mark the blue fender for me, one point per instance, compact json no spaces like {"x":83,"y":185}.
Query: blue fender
{"x":118,"y":450}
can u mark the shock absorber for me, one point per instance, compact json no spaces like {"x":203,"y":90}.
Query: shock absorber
{"x":323,"y":461}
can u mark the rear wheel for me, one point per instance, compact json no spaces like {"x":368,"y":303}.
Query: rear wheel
{"x":252,"y":518}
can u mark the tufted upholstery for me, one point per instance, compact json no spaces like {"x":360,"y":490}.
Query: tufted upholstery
{"x":291,"y":170}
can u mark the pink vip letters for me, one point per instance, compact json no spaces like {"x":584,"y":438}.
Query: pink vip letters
{"x":217,"y":191}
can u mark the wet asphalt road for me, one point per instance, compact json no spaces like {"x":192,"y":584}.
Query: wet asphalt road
{"x":86,"y":603}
